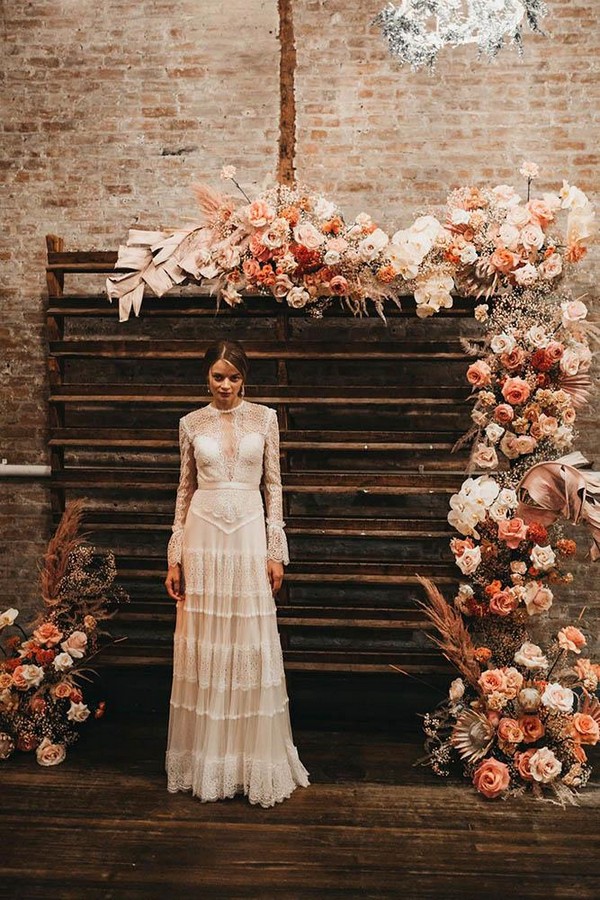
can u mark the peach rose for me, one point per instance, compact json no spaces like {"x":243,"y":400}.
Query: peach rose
{"x":525,"y":444}
{"x":492,"y":680}
{"x":551,"y":267}
{"x":62,"y":690}
{"x":509,"y":445}
{"x":514,"y":681}
{"x":540,"y":213}
{"x":538,"y":598}
{"x":6,"y":680}
{"x":510,"y":731}
{"x":479,"y":374}
{"x":571,"y":638}
{"x":49,"y":754}
{"x":512,"y":531}
{"x":544,"y":766}
{"x":485,"y":457}
{"x":251,"y":269}
{"x":260,"y":213}
{"x":522,"y":761}
{"x":48,"y":634}
{"x":585,"y":729}
{"x":554,"y":351}
{"x":504,"y":413}
{"x":503,"y":260}
{"x":308,"y":236}
{"x":491,"y":778}
{"x":515,"y":391}
{"x":503,"y":603}
{"x":532,"y":728}
{"x":258,"y":249}
{"x":25,"y":677}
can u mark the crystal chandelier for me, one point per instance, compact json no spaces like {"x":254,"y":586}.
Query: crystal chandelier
{"x":417,"y":30}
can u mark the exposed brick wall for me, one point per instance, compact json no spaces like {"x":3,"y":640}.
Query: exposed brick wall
{"x":112,"y":109}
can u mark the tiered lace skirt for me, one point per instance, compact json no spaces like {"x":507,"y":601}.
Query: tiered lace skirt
{"x":229,"y":724}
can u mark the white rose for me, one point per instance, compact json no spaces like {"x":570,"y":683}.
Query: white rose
{"x":563,"y":437}
{"x":532,"y":237}
{"x":373,"y":244}
{"x":298,"y":297}
{"x":469,"y":561}
{"x":537,"y":336}
{"x":526,"y":275}
{"x":573,"y":311}
{"x":485,"y":457}
{"x":31,"y":675}
{"x":509,"y":496}
{"x":570,"y":362}
{"x":78,"y":712}
{"x":503,"y":343}
{"x":518,"y":216}
{"x":494,"y":432}
{"x":468,"y":254}
{"x":531,"y":656}
{"x":558,"y":698}
{"x":324,"y":209}
{"x":551,"y":267}
{"x":460,"y":216}
{"x":331,"y":258}
{"x":551,"y":200}
{"x":538,"y":598}
{"x":544,"y":766}
{"x":506,"y":195}
{"x":543,"y":558}
{"x":509,"y":235}
{"x":457,"y":689}
{"x":499,"y":511}
{"x":62,"y":662}
{"x":8,"y":617}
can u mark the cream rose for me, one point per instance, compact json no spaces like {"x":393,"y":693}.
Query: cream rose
{"x":62,"y":662}
{"x":373,"y":244}
{"x":571,"y":639}
{"x":544,"y":766}
{"x":551,"y":267}
{"x":78,"y":712}
{"x":518,"y":216}
{"x":532,"y":237}
{"x":485,"y":457}
{"x":526,"y":275}
{"x":25,"y":677}
{"x":543,"y":558}
{"x":503,"y":343}
{"x":558,"y":698}
{"x":306,"y":234}
{"x":530,"y":656}
{"x":538,"y":598}
{"x":573,"y":311}
{"x":297,"y":297}
{"x":494,"y":432}
{"x":76,"y":644}
{"x":49,"y":754}
{"x":457,"y":689}
{"x":469,"y":561}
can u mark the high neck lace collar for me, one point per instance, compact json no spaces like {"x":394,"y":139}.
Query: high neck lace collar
{"x":215,"y":409}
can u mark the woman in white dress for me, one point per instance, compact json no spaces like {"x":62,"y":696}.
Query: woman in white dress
{"x":229,"y":724}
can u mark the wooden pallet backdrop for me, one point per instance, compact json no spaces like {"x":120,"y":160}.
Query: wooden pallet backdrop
{"x":368,"y":415}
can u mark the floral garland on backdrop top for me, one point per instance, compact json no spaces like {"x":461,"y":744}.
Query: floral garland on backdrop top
{"x":521,"y":715}
{"x":294,"y":245}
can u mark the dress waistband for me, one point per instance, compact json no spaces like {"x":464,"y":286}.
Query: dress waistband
{"x":227,"y":485}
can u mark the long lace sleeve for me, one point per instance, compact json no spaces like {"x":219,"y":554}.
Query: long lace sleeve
{"x":277,"y":548}
{"x":187,"y":486}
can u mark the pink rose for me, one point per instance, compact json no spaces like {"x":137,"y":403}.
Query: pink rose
{"x":532,"y":237}
{"x":338,"y":285}
{"x":251,"y":269}
{"x":306,"y":234}
{"x":492,"y":681}
{"x":75,"y":644}
{"x":522,"y":761}
{"x":510,"y":731}
{"x":260,"y":213}
{"x":491,"y":778}
{"x":551,"y":267}
{"x":479,"y":374}
{"x":504,"y":413}
{"x":503,"y":603}
{"x":515,"y":391}
{"x":514,"y":359}
{"x":338,"y":244}
{"x":512,"y":532}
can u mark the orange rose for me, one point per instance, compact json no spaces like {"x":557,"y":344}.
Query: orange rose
{"x":515,"y":391}
{"x":514,"y":359}
{"x":571,"y":638}
{"x":510,"y":731}
{"x":479,"y":374}
{"x":503,"y":603}
{"x":491,"y":778}
{"x":585,"y":729}
{"x":532,"y":728}
{"x":62,"y":690}
{"x":503,"y":260}
{"x":48,"y":634}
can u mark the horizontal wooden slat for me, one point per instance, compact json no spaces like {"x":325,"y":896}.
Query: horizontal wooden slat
{"x":305,"y":482}
{"x":168,"y":439}
{"x":118,"y":348}
{"x":187,"y":394}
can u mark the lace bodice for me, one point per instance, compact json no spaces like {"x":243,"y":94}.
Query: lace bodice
{"x":240,"y":447}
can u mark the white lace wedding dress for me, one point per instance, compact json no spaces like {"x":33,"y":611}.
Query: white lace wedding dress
{"x":229,"y":724}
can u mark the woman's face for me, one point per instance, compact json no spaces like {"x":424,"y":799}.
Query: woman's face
{"x":225,"y":383}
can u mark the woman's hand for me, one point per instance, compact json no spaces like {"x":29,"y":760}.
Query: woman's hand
{"x":174,"y":583}
{"x":275,"y":573}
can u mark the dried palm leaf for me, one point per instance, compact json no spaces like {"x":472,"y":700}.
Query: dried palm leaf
{"x":479,"y":280}
{"x":454,"y":641}
{"x":578,"y":386}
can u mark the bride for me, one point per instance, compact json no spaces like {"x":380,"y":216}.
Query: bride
{"x":229,"y":723}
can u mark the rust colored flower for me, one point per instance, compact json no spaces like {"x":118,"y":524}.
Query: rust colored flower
{"x":386,"y":274}
{"x":333,"y":226}
{"x":291,"y":214}
{"x":493,"y":587}
{"x":541,"y":361}
{"x":575,"y":252}
{"x":566,"y":547}
{"x":537,"y":533}
{"x":483,"y":654}
{"x":532,"y":728}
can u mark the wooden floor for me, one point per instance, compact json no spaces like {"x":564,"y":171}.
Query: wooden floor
{"x":371,"y":825}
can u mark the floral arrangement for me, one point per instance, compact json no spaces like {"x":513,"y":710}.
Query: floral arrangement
{"x":524,"y":712}
{"x":42,"y":704}
{"x":295,"y":245}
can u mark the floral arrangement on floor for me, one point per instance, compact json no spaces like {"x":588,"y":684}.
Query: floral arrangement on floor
{"x":42,"y":703}
{"x":294,"y":245}
{"x":524,"y":712}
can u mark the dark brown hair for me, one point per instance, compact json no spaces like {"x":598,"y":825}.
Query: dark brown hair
{"x":232,"y":352}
